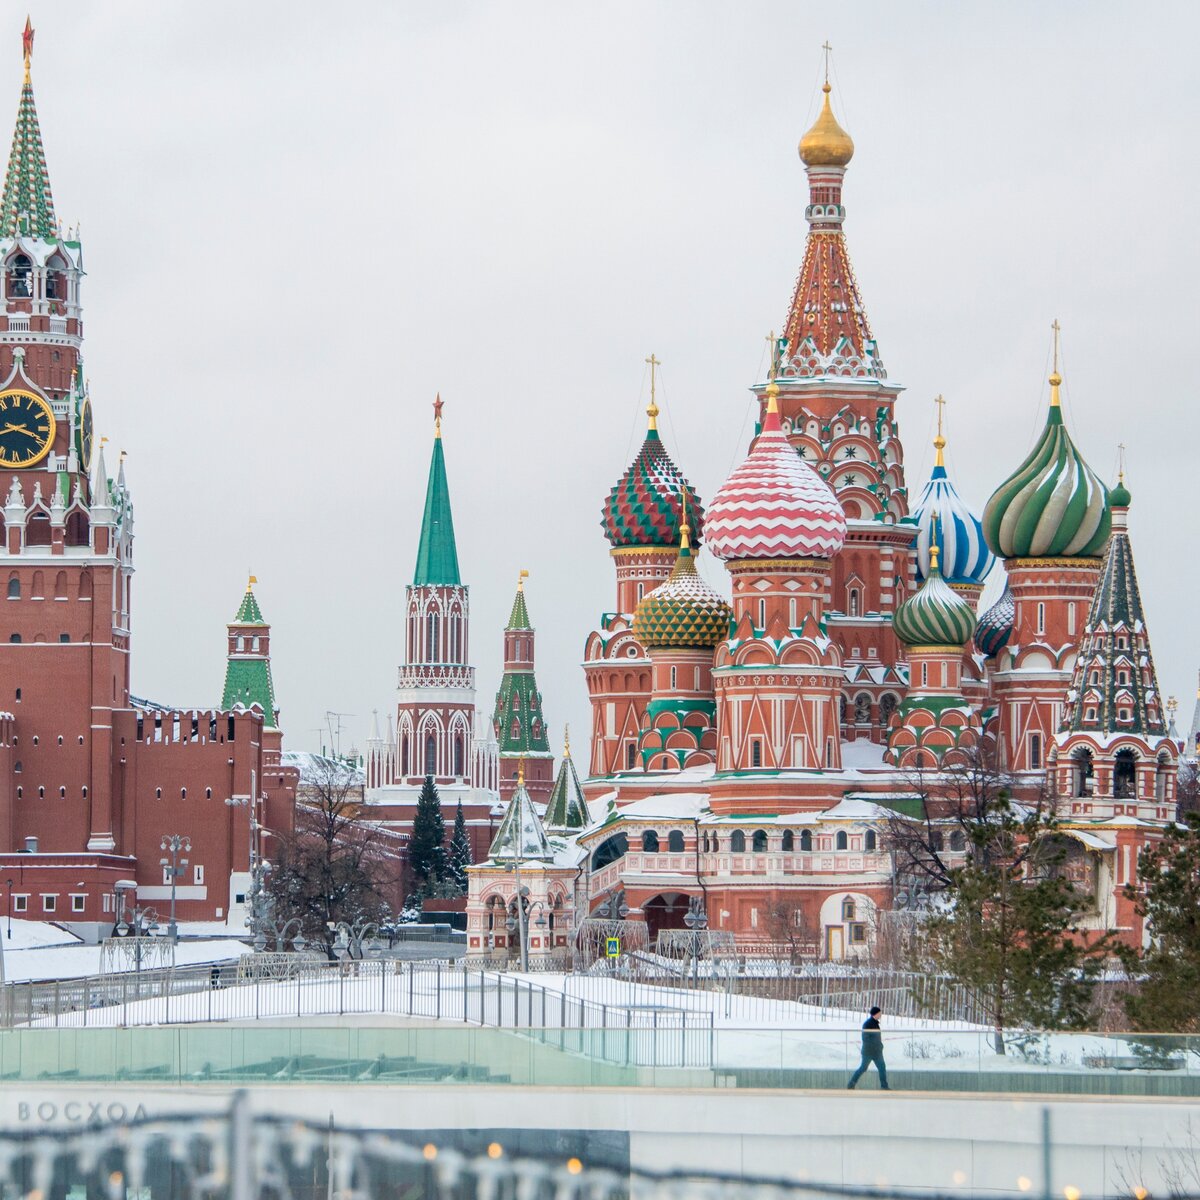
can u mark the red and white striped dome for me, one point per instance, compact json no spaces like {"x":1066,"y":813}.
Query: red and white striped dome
{"x":774,"y":505}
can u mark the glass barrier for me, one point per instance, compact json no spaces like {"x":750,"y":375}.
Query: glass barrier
{"x":691,"y":1057}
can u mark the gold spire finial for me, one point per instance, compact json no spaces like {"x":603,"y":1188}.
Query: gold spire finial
{"x":522,"y":575}
{"x":1055,"y":377}
{"x":826,"y":144}
{"x":685,"y":532}
{"x":939,"y":442}
{"x":521,"y":772}
{"x":27,"y":45}
{"x":438,"y":404}
{"x":250,"y":582}
{"x":1121,"y":463}
{"x":652,"y":410}
{"x":772,"y":386}
{"x":933,"y":545}
{"x":566,"y":741}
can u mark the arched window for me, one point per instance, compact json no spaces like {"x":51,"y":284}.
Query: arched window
{"x":56,"y":281}
{"x":737,"y":842}
{"x":431,"y":637}
{"x":847,"y":909}
{"x":789,"y":840}
{"x":870,"y":840}
{"x":759,"y":841}
{"x":14,"y":588}
{"x":958,"y":841}
{"x":862,"y":709}
{"x":430,"y":754}
{"x":675,"y":841}
{"x":404,"y":754}
{"x":841,"y":842}
{"x":37,"y":531}
{"x":458,"y":754}
{"x":887,"y":706}
{"x":854,"y":602}
{"x":649,"y":841}
{"x":806,"y":840}
{"x":1084,"y":771}
{"x":1125,"y":775}
{"x":756,"y":752}
{"x":20,"y":274}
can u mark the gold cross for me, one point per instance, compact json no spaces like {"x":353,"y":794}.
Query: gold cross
{"x":652,"y":411}
{"x":1057,"y":330}
{"x":773,"y":351}
{"x":940,"y":401}
{"x":1121,"y":461}
{"x":828,"y":51}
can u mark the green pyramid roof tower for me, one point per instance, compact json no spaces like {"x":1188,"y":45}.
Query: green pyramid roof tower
{"x":248,"y":667}
{"x":521,"y":836}
{"x":566,"y":809}
{"x":27,"y":206}
{"x":519,"y":721}
{"x":437,"y":555}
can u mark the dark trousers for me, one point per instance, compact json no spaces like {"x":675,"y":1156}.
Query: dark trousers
{"x":869,"y":1057}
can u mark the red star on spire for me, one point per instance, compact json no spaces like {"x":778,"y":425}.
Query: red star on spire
{"x":27,"y":40}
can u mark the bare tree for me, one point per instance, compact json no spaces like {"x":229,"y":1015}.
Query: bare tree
{"x":788,"y":928}
{"x":337,"y":865}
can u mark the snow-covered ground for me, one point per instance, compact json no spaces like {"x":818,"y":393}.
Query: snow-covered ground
{"x":69,"y":958}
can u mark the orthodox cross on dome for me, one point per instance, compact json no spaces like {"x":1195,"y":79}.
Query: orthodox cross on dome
{"x":828,"y":51}
{"x":939,"y":442}
{"x":438,"y":404}
{"x":652,"y":411}
{"x":1120,"y":462}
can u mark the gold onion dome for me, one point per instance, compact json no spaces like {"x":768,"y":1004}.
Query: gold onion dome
{"x":826,"y":144}
{"x":684,"y":612}
{"x":935,"y":614}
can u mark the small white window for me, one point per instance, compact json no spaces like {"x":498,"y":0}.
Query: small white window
{"x":49,"y":903}
{"x":108,"y":902}
{"x":78,"y":903}
{"x":674,"y":681}
{"x":1041,"y":617}
{"x":20,"y":904}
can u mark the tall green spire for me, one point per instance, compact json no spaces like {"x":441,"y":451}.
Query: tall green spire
{"x":519,"y":617}
{"x":27,"y":206}
{"x":437,"y":555}
{"x":248,"y":667}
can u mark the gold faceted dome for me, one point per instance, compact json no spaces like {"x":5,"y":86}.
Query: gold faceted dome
{"x":826,"y":144}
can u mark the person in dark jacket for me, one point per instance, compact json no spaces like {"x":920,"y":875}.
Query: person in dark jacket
{"x":872,"y":1051}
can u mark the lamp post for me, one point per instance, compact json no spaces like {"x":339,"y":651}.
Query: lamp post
{"x":173,"y":867}
{"x":265,"y":926}
{"x":9,"y":882}
{"x":144,"y":923}
{"x":520,"y":923}
{"x":355,"y":941}
{"x":696,"y":919}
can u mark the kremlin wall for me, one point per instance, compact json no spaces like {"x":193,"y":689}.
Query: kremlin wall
{"x":746,"y":758}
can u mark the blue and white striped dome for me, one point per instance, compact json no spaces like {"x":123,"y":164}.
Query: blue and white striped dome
{"x":963,"y":552}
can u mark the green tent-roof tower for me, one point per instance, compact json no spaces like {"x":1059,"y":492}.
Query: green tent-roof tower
{"x":437,"y":554}
{"x":248,"y":667}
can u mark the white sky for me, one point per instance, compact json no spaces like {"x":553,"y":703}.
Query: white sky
{"x":302,"y":220}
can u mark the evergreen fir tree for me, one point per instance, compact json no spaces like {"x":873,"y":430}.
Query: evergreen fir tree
{"x":426,"y":849}
{"x":460,"y":852}
{"x":1169,"y":969}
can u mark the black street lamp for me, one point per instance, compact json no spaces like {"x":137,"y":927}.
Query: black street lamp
{"x":9,"y":882}
{"x":175,"y":866}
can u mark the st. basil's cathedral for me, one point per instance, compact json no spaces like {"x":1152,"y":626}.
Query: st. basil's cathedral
{"x":749,"y":759}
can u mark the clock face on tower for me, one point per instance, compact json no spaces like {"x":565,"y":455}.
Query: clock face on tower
{"x":26,"y":429}
{"x":84,"y":436}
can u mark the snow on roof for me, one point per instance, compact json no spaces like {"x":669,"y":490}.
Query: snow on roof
{"x":852,"y":808}
{"x":670,"y":804}
{"x":862,"y":753}
{"x":314,"y":767}
{"x":1090,"y":840}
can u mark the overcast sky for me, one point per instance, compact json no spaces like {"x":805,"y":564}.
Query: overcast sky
{"x":302,"y":220}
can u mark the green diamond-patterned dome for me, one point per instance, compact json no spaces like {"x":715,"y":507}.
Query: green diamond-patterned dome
{"x":684,"y":612}
{"x":935,"y":614}
{"x":1053,"y":505}
{"x":646,"y":505}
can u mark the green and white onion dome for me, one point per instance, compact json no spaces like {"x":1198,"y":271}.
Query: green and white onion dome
{"x":1054,"y":505}
{"x":684,"y":612}
{"x":935,"y":614}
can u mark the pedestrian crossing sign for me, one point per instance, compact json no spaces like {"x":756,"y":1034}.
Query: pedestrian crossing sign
{"x":612,"y":947}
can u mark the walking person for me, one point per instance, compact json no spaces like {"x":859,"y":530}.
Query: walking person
{"x":872,"y":1051}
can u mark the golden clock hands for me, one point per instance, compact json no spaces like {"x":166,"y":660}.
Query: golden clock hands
{"x":16,"y":429}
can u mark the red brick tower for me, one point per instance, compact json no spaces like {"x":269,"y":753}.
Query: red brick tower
{"x":436,"y":731}
{"x":838,"y":410}
{"x":519,"y":722}
{"x":68,"y":535}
